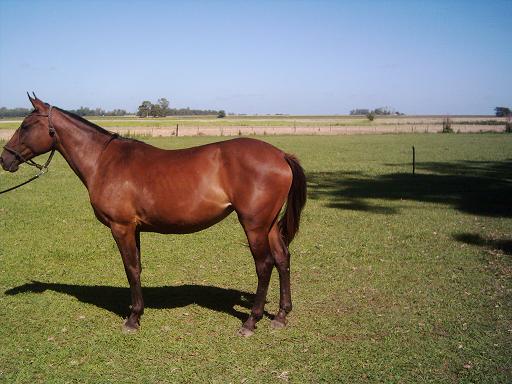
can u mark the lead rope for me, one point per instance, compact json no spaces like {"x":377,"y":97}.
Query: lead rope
{"x":42,"y":168}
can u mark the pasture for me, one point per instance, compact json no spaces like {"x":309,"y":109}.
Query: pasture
{"x":268,"y":125}
{"x":395,"y":277}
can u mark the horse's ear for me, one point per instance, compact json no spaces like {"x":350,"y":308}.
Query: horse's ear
{"x":36,"y":103}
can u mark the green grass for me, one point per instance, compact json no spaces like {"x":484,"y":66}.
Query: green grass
{"x":395,"y":278}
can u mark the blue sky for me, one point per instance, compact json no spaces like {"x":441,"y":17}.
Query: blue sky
{"x":308,"y":57}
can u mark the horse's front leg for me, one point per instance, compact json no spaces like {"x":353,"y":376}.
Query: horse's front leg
{"x":127,"y":239}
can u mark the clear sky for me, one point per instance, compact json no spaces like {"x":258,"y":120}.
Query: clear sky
{"x":307,"y":57}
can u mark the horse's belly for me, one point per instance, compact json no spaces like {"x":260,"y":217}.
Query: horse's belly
{"x":183,"y":218}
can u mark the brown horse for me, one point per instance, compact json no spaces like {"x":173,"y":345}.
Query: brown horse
{"x":135,"y":187}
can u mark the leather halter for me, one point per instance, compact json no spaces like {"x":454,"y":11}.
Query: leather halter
{"x":42,"y":168}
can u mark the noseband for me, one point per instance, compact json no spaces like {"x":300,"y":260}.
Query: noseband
{"x":42,"y":168}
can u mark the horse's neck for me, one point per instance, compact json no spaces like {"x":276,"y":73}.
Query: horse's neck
{"x":81,"y":145}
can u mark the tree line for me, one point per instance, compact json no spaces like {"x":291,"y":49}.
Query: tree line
{"x":85,"y":111}
{"x":499,"y":111}
{"x":382,"y":111}
{"x":146,"y":109}
{"x":82,"y":111}
{"x":161,"y":109}
{"x":14,"y":112}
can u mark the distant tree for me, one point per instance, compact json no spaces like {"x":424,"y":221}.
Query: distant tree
{"x":144,"y":109}
{"x":502,"y":111}
{"x":99,"y":112}
{"x":188,"y":112}
{"x":164,"y":106}
{"x":116,"y":112}
{"x":221,"y":114}
{"x":381,"y":111}
{"x":155,"y":110}
{"x":82,"y":111}
{"x":85,"y":111}
{"x":360,"y":111}
{"x":384,"y":111}
{"x":13,"y":112}
{"x":370,"y":116}
{"x":161,"y":109}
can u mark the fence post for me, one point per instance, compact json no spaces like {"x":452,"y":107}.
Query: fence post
{"x":413,"y":160}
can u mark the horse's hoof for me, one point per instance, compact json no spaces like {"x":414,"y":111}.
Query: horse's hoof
{"x":129,"y":328}
{"x":276,"y":324}
{"x":244,"y":332}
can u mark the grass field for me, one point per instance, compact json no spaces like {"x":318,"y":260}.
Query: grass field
{"x":395,"y":277}
{"x":273,"y":121}
{"x":212,"y":121}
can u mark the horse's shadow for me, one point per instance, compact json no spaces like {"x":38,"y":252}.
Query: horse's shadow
{"x":117,"y":299}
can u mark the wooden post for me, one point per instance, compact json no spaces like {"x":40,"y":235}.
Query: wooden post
{"x":413,"y":160}
{"x":177,"y":132}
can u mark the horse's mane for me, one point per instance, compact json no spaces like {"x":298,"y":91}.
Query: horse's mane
{"x":85,"y":121}
{"x":94,"y":126}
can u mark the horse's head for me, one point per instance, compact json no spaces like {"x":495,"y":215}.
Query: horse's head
{"x":32,"y":138}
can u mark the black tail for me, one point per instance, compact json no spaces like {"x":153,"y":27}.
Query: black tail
{"x":289,"y":222}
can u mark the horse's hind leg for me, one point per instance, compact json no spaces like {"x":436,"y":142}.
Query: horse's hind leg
{"x":282,"y":263}
{"x":260,"y":248}
{"x":128,"y":242}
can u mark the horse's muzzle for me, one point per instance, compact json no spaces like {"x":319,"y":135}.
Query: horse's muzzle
{"x":9,"y":162}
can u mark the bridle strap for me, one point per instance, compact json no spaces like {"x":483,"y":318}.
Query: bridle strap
{"x":40,"y":173}
{"x":42,"y":168}
{"x":23,"y":160}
